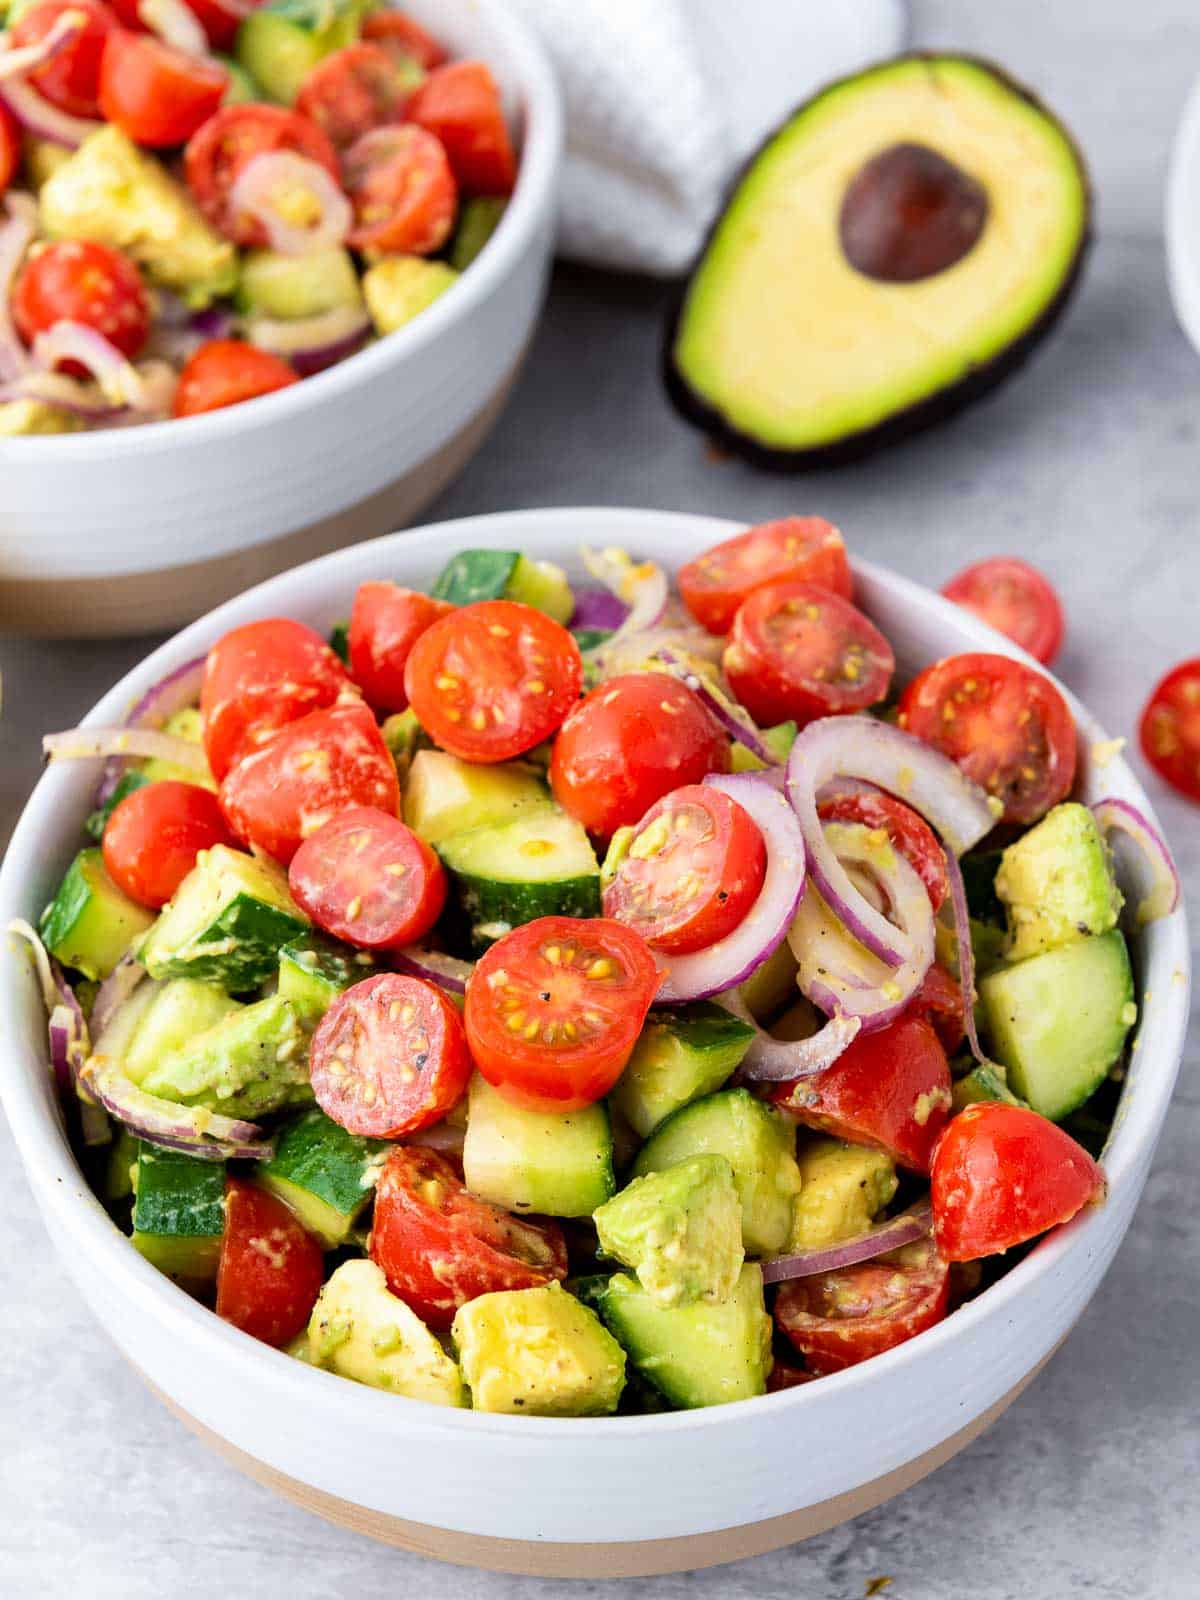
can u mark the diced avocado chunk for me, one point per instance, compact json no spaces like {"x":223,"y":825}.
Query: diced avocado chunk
{"x":759,"y":1145}
{"x":111,"y":191}
{"x":478,"y":218}
{"x":178,"y":1012}
{"x":90,"y":923}
{"x":474,"y":575}
{"x":444,"y":796}
{"x":681,"y":1055}
{"x":252,"y":1062}
{"x":541,"y":865}
{"x":1058,"y":1021}
{"x":1057,"y":883}
{"x":229,"y":920}
{"x":559,"y":1163}
{"x":179,"y":1212}
{"x":844,"y":1187}
{"x":362,"y":1331}
{"x":275,"y":285}
{"x":399,"y":288}
{"x":772,"y":985}
{"x":707,"y":1353}
{"x":980,"y":1084}
{"x":680,"y":1230}
{"x":42,"y":158}
{"x":314,"y":970}
{"x":280,"y":42}
{"x":538,"y":1353}
{"x":28,"y":417}
{"x":326,"y":1174}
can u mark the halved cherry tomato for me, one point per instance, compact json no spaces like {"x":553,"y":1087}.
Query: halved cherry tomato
{"x":153,"y":836}
{"x":785,"y":1376}
{"x":628,"y":743}
{"x":229,"y":141}
{"x":70,"y":80}
{"x":889,"y":1089}
{"x":271,"y":1269}
{"x":402,"y":190}
{"x":385,"y":623}
{"x":940,"y":998}
{"x":259,"y":677}
{"x":78,"y":280}
{"x":220,"y":21}
{"x":156,"y":94}
{"x":910,"y":833}
{"x":10,"y":146}
{"x":439,"y":1246}
{"x":716,"y":583}
{"x":352,"y":91}
{"x":1015,"y":598}
{"x":368,"y":879}
{"x":837,"y":1319}
{"x":403,"y":38}
{"x":389,"y":1057}
{"x":1005,"y":725}
{"x":800,"y":651}
{"x":693,"y":870}
{"x":493,"y":679}
{"x":460,"y":104}
{"x":314,"y":768}
{"x":555,"y":1007}
{"x":224,"y":372}
{"x":1003,"y":1174}
{"x":1170,"y":728}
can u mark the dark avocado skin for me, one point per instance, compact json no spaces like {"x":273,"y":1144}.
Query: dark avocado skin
{"x":925,"y":413}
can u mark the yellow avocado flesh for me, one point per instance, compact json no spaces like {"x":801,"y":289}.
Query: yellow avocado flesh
{"x":795,"y":348}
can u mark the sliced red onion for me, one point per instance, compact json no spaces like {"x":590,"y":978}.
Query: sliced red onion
{"x":771,"y":1060}
{"x":68,"y":1053}
{"x":445,"y":1137}
{"x":193,"y":1129}
{"x":18,"y":229}
{"x":235,"y":10}
{"x":598,"y":609}
{"x":178,"y":690}
{"x":311,"y":343}
{"x":281,"y":175}
{"x":119,"y":381}
{"x":884,"y":1237}
{"x":82,"y":400}
{"x":966,"y":958}
{"x":124,"y":978}
{"x":875,"y":752}
{"x":763,"y":929}
{"x":444,"y":972}
{"x":16,"y":61}
{"x":44,"y":971}
{"x":45,"y":121}
{"x":175,"y":24}
{"x":1152,"y":872}
{"x":737,"y":723}
{"x":82,"y":743}
{"x":642,"y":586}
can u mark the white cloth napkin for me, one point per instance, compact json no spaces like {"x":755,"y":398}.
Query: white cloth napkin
{"x":665,"y":98}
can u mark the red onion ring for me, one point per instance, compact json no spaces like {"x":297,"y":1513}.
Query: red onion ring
{"x":966,"y":959}
{"x":17,"y":60}
{"x":45,"y":121}
{"x":201,"y":1133}
{"x":311,"y":343}
{"x":1153,"y":874}
{"x":877,"y":1241}
{"x":17,"y":232}
{"x":82,"y":743}
{"x":259,"y":186}
{"x":642,"y":586}
{"x":445,"y":1137}
{"x":121,"y":383}
{"x":175,"y":24}
{"x":771,"y":1060}
{"x":444,"y":972}
{"x":738,"y":724}
{"x":599,"y":609}
{"x":115,"y":990}
{"x":82,"y":400}
{"x":178,"y":690}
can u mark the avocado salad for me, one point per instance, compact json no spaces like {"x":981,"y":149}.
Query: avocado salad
{"x":568,"y":1000}
{"x":203,"y":201}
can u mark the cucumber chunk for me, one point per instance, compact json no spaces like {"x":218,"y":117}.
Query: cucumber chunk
{"x":325,"y":1174}
{"x":1057,"y":883}
{"x":474,"y":575}
{"x":90,"y":923}
{"x":275,"y":285}
{"x":178,"y":1012}
{"x":444,"y":796}
{"x":556,"y":1163}
{"x":179,"y":1212}
{"x":541,"y":865}
{"x":1058,"y":1021}
{"x":314,"y":970}
{"x":538,"y":1352}
{"x":98,"y":819}
{"x":478,"y":218}
{"x":981,"y":1083}
{"x":680,"y":1056}
{"x":279,"y":43}
{"x":252,"y":1062}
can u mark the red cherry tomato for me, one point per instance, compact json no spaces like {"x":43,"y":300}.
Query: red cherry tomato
{"x":271,"y":1269}
{"x":385,"y":623}
{"x":258,"y":678}
{"x":224,"y":372}
{"x":716,"y":583}
{"x":785,"y":1376}
{"x":940,"y":998}
{"x":156,"y":94}
{"x":77,"y":280}
{"x":460,"y":104}
{"x":1001,"y":1175}
{"x":366,"y":878}
{"x":1170,"y":728}
{"x":800,"y":651}
{"x":352,"y":91}
{"x":1015,"y":598}
{"x":889,"y":1089}
{"x":228,"y":142}
{"x":10,"y":146}
{"x":439,"y":1246}
{"x":403,"y":39}
{"x":219,"y":21}
{"x":389,"y":1057}
{"x":402,"y":189}
{"x":1005,"y":725}
{"x":153,"y":836}
{"x":694,"y":868}
{"x":311,"y":770}
{"x":837,"y":1319}
{"x":493,"y":679}
{"x":910,"y":833}
{"x":70,"y":80}
{"x":627,"y":744}
{"x":555,"y":1007}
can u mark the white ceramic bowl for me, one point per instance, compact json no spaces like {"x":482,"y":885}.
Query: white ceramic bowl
{"x":185,"y":513}
{"x":665,"y":1492}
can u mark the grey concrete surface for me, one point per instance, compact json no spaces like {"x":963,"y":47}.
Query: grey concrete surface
{"x":1088,"y":463}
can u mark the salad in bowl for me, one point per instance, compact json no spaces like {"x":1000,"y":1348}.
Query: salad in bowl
{"x":567,"y":1000}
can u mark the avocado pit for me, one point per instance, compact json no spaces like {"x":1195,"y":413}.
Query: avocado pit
{"x":909,"y":213}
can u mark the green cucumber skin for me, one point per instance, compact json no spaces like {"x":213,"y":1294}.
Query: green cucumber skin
{"x":98,"y":820}
{"x":474,"y":575}
{"x":339,"y":641}
{"x":248,"y":937}
{"x":318,"y":1155}
{"x":484,"y":900}
{"x":90,"y":923}
{"x":313,"y":971}
{"x":178,"y":1196}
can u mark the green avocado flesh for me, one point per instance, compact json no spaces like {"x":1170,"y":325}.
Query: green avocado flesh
{"x":788,"y":350}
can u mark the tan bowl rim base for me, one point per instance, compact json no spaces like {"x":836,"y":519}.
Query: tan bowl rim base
{"x":632,"y":1559}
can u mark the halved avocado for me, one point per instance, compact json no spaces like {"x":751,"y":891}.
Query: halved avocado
{"x":892,"y":252}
